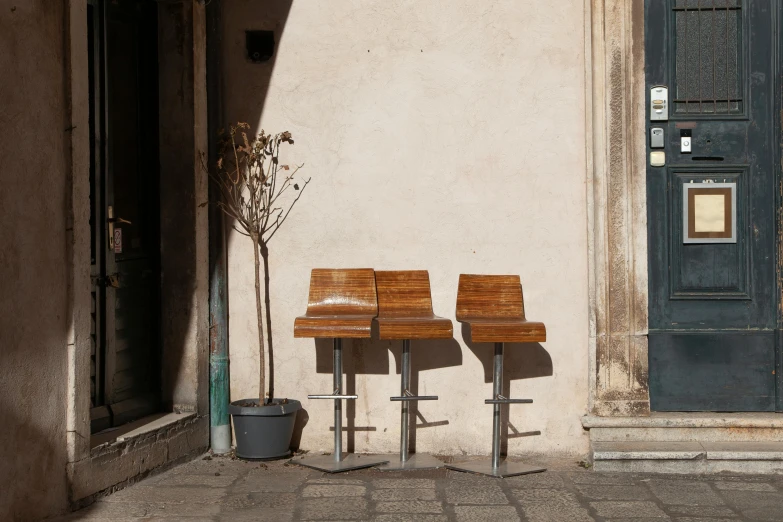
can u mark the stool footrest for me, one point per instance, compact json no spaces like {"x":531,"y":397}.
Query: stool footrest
{"x":508,"y":401}
{"x":332,"y":396}
{"x":406,"y":398}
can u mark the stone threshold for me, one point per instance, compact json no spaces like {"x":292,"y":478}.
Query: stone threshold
{"x":692,"y":458}
{"x":688,"y":420}
{"x":150,"y":424}
{"x":687,"y":450}
{"x":142,"y":447}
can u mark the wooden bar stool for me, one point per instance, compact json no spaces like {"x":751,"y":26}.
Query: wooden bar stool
{"x":342,"y":304}
{"x":405,"y":313}
{"x":492,"y":307}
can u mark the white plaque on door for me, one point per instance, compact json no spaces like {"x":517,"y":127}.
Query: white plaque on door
{"x":709,"y":213}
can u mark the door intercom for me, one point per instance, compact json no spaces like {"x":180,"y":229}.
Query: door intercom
{"x":659,"y":103}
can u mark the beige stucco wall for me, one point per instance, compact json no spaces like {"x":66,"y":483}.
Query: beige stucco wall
{"x":447,"y":136}
{"x":34,"y":261}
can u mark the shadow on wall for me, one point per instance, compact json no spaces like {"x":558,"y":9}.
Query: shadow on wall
{"x":365,"y":357}
{"x":360,"y":357}
{"x":425,"y":355}
{"x":520,"y":361}
{"x":245,"y":38}
{"x":30,"y":490}
{"x":370,"y":357}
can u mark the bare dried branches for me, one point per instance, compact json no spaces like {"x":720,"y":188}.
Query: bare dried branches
{"x":252,"y":182}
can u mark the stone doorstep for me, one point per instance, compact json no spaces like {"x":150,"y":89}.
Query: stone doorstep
{"x":688,"y":420}
{"x":687,"y":427}
{"x":688,"y":457}
{"x":647,"y":451}
{"x":641,"y":450}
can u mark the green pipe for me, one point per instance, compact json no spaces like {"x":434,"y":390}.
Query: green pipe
{"x":219,"y":421}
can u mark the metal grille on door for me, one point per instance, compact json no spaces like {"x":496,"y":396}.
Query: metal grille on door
{"x":707,"y":55}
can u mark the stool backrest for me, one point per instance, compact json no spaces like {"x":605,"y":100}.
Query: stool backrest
{"x":403,"y":293}
{"x":489,"y":296}
{"x":342,"y":291}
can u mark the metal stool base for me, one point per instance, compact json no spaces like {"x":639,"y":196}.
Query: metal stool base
{"x":348,"y":462}
{"x":504,"y":469}
{"x":415,"y":461}
{"x":500,"y":468}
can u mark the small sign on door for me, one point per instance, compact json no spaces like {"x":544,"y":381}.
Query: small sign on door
{"x":709,"y":212}
{"x":118,"y":241}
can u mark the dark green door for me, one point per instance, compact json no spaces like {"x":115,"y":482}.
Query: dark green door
{"x":125,"y":215}
{"x":713,"y":308}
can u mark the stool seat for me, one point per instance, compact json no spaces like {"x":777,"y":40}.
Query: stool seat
{"x":505,"y":330}
{"x":405,"y":307}
{"x":342,"y":326}
{"x":342,"y":304}
{"x":432,"y":327}
{"x":494,"y":309}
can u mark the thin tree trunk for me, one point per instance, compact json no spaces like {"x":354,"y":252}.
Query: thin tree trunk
{"x":265,"y":257}
{"x":259,"y":318}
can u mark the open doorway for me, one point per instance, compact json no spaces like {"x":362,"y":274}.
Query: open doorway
{"x":125,"y":359}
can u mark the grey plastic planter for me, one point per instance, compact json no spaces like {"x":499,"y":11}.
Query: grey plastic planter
{"x":263,"y":433}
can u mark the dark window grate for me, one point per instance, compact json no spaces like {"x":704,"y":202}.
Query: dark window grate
{"x":708,"y":40}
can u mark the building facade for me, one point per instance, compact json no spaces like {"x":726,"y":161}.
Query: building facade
{"x":503,"y":137}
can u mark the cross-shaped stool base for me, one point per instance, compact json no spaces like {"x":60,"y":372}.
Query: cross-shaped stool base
{"x":503,"y":469}
{"x":495,"y":467}
{"x":414,"y":461}
{"x":348,"y":462}
{"x":338,"y":461}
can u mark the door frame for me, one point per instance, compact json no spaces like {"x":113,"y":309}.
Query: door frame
{"x":615,"y":131}
{"x":777,"y":118}
{"x":184,"y":255}
{"x":616,"y":208}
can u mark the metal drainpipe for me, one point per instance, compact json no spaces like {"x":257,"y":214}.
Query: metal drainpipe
{"x":219,"y":421}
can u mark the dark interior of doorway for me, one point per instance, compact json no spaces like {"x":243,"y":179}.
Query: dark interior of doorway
{"x":124,"y":212}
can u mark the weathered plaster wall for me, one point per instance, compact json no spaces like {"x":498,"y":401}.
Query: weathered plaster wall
{"x":448,"y":136}
{"x":183,"y":217}
{"x":617,"y":209}
{"x":34,"y":261}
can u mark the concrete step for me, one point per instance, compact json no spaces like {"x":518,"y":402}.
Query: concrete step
{"x":687,"y":427}
{"x":687,"y":457}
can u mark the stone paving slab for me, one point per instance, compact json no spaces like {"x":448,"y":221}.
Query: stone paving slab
{"x":485,"y":513}
{"x":409,"y":506}
{"x":224,"y":489}
{"x":387,"y":495}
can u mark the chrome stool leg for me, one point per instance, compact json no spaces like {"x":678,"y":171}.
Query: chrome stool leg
{"x":417,"y":460}
{"x":337,"y":461}
{"x":495,"y":467}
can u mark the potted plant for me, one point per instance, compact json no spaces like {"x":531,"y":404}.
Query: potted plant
{"x":258,"y":193}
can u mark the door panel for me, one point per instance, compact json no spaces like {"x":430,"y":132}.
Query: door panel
{"x":99,"y":413}
{"x":731,"y":371}
{"x":124,"y":192}
{"x":713,"y":306}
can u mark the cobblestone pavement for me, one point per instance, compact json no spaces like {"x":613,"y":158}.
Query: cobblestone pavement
{"x":219,"y":489}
